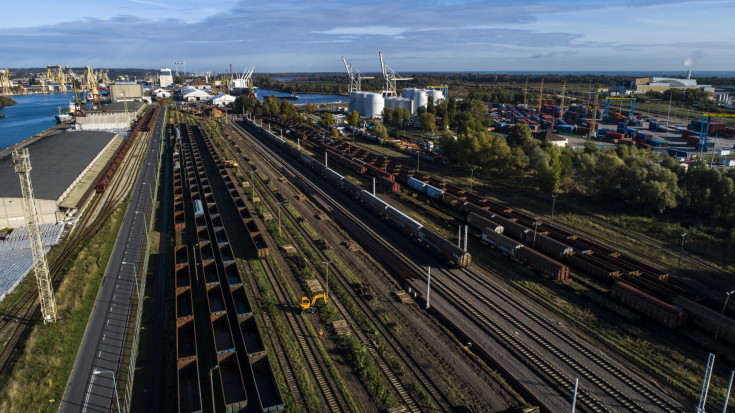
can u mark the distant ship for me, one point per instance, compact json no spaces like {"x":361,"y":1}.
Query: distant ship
{"x":243,"y":84}
{"x":289,"y":97}
{"x":65,"y":116}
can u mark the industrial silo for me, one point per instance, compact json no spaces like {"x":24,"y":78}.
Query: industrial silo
{"x":374,"y":104}
{"x":437,"y":94}
{"x":360,"y":103}
{"x":353,"y":102}
{"x":420,"y":98}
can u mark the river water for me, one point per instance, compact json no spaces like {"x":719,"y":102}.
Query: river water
{"x":304,"y":97}
{"x":35,"y":113}
{"x":31,"y":115}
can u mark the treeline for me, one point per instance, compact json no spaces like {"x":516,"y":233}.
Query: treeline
{"x":626,"y":176}
{"x":325,"y":87}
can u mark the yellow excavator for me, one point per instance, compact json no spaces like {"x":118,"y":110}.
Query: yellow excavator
{"x":309,"y":306}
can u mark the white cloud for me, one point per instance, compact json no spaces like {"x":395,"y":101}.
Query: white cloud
{"x":364,"y":30}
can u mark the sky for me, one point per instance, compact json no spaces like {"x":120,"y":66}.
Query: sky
{"x":413,"y":35}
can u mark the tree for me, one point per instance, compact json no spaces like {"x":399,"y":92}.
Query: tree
{"x":271,"y":106}
{"x":380,"y":131}
{"x":388,"y":115}
{"x":335,"y":133}
{"x":327,"y":120}
{"x":353,"y":118}
{"x":548,"y":178}
{"x":401,"y":116}
{"x":309,"y":107}
{"x":520,"y":136}
{"x":428,"y":122}
{"x":430,"y":105}
{"x":245,"y":102}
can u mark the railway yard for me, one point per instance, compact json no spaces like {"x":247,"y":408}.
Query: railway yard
{"x":290,"y":221}
{"x":315,"y":274}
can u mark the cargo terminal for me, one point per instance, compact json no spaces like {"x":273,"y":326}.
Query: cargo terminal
{"x":64,"y":167}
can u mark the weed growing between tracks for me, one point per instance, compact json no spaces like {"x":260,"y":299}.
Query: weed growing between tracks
{"x":269,"y":305}
{"x":42,"y":370}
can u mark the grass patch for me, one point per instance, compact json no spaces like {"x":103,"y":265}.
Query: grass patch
{"x":36,"y":379}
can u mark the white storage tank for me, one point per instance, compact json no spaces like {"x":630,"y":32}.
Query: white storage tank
{"x":391,"y":102}
{"x":405,"y":104}
{"x":374,"y":105}
{"x":420,"y":98}
{"x":353,"y":102}
{"x":437,"y":94}
{"x":360,"y":103}
{"x":408,"y":92}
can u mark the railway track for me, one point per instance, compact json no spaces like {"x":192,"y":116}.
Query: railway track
{"x":19,"y":319}
{"x":330,"y":393}
{"x":596,"y":406}
{"x":403,"y":354}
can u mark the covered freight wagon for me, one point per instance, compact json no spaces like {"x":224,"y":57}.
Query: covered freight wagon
{"x":543,"y":264}
{"x":653,"y":308}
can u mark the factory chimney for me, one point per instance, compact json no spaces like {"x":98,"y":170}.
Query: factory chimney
{"x":689,"y":74}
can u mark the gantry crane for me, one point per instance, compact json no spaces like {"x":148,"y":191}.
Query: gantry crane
{"x":91,"y":82}
{"x":704,"y":131}
{"x":390,"y":77}
{"x":631,"y":110}
{"x":22,"y":165}
{"x":541,"y":96}
{"x":355,"y":76}
{"x":594,"y":112}
{"x":56,"y":74}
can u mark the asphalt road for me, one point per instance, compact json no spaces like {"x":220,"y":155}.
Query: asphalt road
{"x":90,"y":387}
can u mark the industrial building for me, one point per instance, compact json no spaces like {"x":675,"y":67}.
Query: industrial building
{"x":370,"y":105}
{"x":126,"y":91}
{"x":661,"y":84}
{"x":64,"y":167}
{"x":165,"y":78}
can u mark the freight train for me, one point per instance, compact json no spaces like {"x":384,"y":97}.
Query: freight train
{"x":397,"y":218}
{"x":590,"y":257}
{"x":143,"y":124}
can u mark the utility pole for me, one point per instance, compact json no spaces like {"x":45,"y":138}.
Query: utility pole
{"x":705,"y":384}
{"x":722,"y":313}
{"x":327,"y":264}
{"x":22,"y":164}
{"x":535,"y":227}
{"x":428,"y":288}
{"x":472,"y":174}
{"x":574,"y":397}
{"x":729,"y":387}
{"x":681,"y":249}
{"x":553,"y":203}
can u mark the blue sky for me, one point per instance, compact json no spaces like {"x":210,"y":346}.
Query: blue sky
{"x":426,"y":35}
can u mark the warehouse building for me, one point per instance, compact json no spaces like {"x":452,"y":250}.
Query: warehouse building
{"x":126,"y":91}
{"x":64,"y":168}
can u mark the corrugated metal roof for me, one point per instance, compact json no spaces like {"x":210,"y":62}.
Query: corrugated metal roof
{"x":56,"y":161}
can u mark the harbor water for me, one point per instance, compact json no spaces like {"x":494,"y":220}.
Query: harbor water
{"x":31,"y":115}
{"x":304,"y":97}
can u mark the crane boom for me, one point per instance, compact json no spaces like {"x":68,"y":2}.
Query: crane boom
{"x":390,"y":77}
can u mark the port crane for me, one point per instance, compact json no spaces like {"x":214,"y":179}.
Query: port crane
{"x":704,"y":130}
{"x":91,"y":82}
{"x":5,"y":80}
{"x":22,"y":166}
{"x":390,"y":77}
{"x":355,"y":76}
{"x":631,"y":110}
